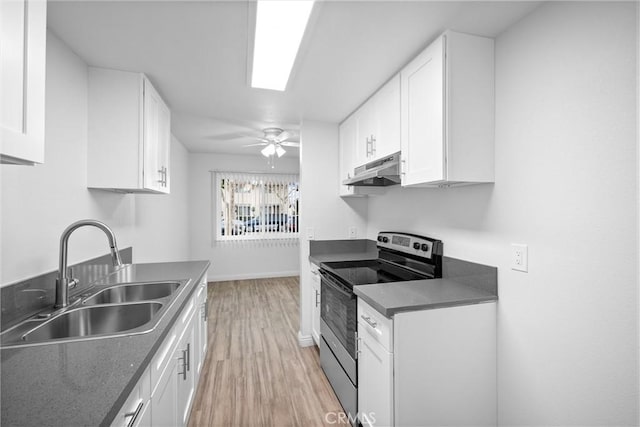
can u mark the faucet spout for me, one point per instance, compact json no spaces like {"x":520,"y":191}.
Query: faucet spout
{"x":64,"y":280}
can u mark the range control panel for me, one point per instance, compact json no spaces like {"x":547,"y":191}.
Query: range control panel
{"x":410,"y":243}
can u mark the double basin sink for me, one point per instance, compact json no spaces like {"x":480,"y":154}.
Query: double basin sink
{"x":118,"y":310}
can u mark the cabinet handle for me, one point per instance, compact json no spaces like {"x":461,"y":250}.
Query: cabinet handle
{"x":184,"y":365}
{"x":369,"y":321}
{"x":369,"y":147}
{"x":188,"y":357}
{"x":163,"y":176}
{"x":373,"y":146}
{"x":403,"y":166}
{"x":133,"y":415}
{"x":205,"y":311}
{"x":317,"y":295}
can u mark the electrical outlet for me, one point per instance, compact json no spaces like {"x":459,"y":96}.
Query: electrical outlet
{"x":310,"y":233}
{"x":353,"y":232}
{"x":519,"y":257}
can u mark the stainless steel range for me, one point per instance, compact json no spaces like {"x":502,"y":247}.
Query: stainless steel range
{"x":401,"y":257}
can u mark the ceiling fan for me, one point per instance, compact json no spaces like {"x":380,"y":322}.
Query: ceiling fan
{"x":273,"y":140}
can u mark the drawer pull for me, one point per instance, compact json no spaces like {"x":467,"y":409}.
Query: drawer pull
{"x":205,"y":311}
{"x":188,"y":356}
{"x":184,"y":365}
{"x":133,"y":415}
{"x":369,"y":321}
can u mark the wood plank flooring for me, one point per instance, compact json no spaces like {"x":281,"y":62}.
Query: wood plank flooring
{"x":255,"y":374}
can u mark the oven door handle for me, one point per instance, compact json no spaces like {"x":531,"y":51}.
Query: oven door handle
{"x":335,"y":285}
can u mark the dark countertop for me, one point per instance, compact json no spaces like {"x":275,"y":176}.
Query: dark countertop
{"x":86,"y":382}
{"x":344,"y":256}
{"x":392,"y":298}
{"x":342,"y":250}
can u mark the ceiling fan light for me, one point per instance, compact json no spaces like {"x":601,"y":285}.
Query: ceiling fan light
{"x":280,"y":151}
{"x":269,"y":150}
{"x":280,"y":25}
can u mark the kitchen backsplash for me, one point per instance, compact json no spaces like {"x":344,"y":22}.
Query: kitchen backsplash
{"x":25,"y":298}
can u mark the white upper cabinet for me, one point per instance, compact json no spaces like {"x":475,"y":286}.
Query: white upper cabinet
{"x":370,"y":133}
{"x":129,"y":133}
{"x":386,"y":110}
{"x":23,"y":35}
{"x":348,"y":138}
{"x":378,"y":124}
{"x":447,"y":113}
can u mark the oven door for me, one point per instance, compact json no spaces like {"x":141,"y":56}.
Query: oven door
{"x":339,"y":311}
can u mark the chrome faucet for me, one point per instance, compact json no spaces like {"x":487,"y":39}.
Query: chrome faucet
{"x":64,"y":281}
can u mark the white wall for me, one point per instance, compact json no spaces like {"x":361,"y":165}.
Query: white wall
{"x":321,"y":208}
{"x":565,"y":185}
{"x":241,"y":260}
{"x":39,"y":202}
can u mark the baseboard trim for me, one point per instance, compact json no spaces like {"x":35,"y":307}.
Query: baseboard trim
{"x":305,"y":340}
{"x":250,"y":276}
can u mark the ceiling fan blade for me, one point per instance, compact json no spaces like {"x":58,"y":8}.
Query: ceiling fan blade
{"x":230,"y":136}
{"x":290,"y":144}
{"x":256,"y":144}
{"x":283,"y":136}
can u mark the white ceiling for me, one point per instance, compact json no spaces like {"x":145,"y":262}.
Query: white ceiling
{"x":195,"y":53}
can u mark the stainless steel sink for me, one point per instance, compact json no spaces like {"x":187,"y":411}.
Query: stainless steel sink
{"x":133,"y":293}
{"x":103,"y":311}
{"x":93,"y":321}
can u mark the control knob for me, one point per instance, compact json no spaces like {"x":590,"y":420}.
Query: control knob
{"x":425,"y":247}
{"x":385,"y":239}
{"x":416,"y":246}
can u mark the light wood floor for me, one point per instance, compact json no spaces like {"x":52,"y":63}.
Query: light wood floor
{"x":255,"y":374}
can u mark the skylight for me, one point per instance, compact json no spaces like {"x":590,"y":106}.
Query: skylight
{"x":280,"y":25}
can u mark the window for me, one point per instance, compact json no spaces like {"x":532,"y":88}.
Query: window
{"x":255,"y":206}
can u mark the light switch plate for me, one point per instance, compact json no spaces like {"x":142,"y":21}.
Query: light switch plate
{"x":310,"y":233}
{"x":519,"y":257}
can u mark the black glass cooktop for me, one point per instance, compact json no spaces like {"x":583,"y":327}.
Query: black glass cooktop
{"x":369,"y":272}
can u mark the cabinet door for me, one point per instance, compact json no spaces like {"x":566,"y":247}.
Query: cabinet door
{"x":375,"y":382}
{"x":154,"y":144}
{"x":315,"y":304}
{"x":186,"y":373}
{"x":164,"y":146}
{"x":201,"y":327}
{"x":422,"y":116}
{"x":164,"y":409}
{"x":348,"y":139}
{"x":387,"y":116}
{"x":366,"y":130}
{"x":22,"y":80}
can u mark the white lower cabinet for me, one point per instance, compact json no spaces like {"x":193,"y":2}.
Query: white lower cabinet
{"x":315,"y":303}
{"x":201,"y":326}
{"x":427,"y":368}
{"x":164,"y":400}
{"x":186,"y":387}
{"x":375,"y":358}
{"x":165,"y":394}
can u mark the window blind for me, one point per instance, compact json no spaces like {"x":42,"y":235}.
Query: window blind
{"x":255,"y":207}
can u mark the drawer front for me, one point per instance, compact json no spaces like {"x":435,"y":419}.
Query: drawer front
{"x":163,"y":357}
{"x":372,"y":322}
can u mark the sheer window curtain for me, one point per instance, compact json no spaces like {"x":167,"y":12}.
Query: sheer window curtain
{"x":255,"y":208}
